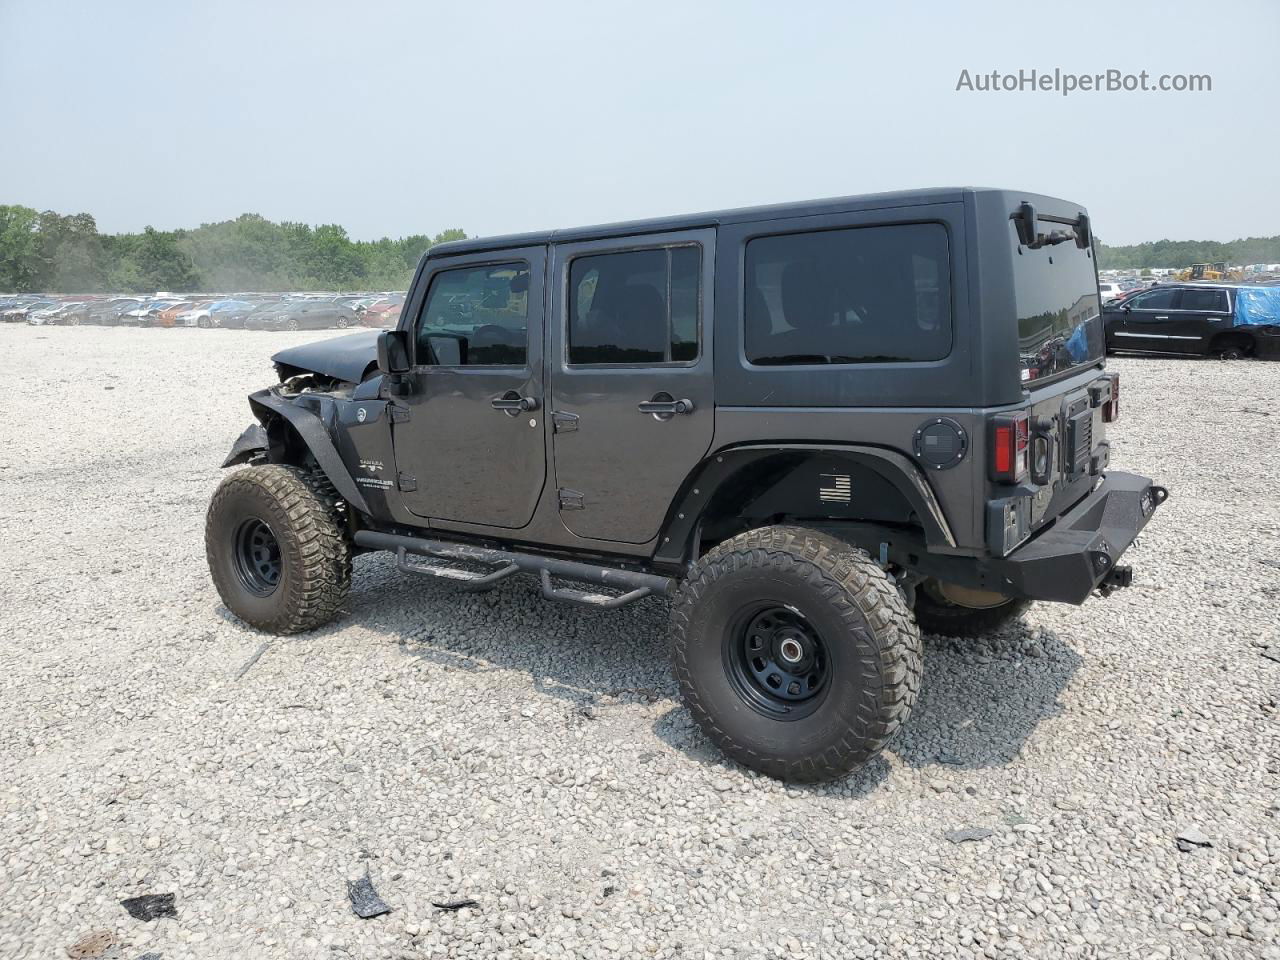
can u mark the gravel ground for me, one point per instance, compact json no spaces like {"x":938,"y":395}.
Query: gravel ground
{"x":533,"y":757}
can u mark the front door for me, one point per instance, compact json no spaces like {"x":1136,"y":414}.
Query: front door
{"x":632,"y":404}
{"x":1145,"y":324}
{"x":473,"y":448}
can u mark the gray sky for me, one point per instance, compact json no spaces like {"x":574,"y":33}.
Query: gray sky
{"x":393,"y":118}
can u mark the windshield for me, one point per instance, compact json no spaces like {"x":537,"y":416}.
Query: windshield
{"x":1056,"y":294}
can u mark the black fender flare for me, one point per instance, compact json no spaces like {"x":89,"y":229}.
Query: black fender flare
{"x":311,"y":430}
{"x":699,"y":488}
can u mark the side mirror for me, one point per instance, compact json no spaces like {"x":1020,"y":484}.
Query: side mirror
{"x":393,"y":352}
{"x":447,"y":349}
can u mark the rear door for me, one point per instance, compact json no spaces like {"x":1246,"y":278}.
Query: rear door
{"x":472,"y":449}
{"x":1202,"y":313}
{"x":631,"y":378}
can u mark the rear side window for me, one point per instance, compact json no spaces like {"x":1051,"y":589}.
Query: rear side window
{"x":863,"y":295}
{"x":1208,"y":301}
{"x":641,"y":306}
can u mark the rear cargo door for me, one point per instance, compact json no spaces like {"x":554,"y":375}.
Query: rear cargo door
{"x":631,"y":384}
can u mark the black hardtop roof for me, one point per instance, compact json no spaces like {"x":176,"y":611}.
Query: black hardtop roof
{"x":774,"y":211}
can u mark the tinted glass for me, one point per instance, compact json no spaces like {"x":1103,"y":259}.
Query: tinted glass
{"x":476,"y":316}
{"x":1055,"y":289}
{"x":1155,"y":300}
{"x":1213,"y":301}
{"x":866,"y":295}
{"x":641,"y":306}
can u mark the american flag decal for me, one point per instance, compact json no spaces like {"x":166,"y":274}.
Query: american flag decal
{"x":839,"y":490}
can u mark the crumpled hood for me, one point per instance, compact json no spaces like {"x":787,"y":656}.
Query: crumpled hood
{"x":343,"y":358}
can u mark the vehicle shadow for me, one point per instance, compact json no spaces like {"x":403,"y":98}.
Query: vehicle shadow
{"x":979,"y":702}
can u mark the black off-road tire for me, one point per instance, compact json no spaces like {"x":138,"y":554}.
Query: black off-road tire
{"x":314,"y":570}
{"x":871,"y":642}
{"x":938,"y":616}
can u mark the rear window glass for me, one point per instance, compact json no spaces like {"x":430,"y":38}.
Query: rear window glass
{"x":1055,"y":288}
{"x":862,"y":295}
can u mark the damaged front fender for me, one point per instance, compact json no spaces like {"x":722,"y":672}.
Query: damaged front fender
{"x":250,"y":447}
{"x":310,"y":430}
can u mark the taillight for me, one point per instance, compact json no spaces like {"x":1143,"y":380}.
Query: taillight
{"x":1010,"y":443}
{"x":1111,"y":409}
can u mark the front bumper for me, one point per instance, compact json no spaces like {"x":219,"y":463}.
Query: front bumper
{"x":1079,"y":552}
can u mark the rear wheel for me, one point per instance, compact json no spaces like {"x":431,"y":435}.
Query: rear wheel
{"x":795,"y":653}
{"x":952,"y":611}
{"x":1231,"y":347}
{"x":276,"y":551}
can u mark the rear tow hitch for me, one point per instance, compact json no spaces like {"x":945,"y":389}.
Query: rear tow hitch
{"x":1119,"y":576}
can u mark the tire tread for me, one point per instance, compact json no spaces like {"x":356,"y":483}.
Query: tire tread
{"x":846,"y":578}
{"x":320,"y":584}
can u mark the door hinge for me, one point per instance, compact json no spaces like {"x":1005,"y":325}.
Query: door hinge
{"x":571,"y":499}
{"x":399,"y":414}
{"x":563,"y":422}
{"x":406,"y":483}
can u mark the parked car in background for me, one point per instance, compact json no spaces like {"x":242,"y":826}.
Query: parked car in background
{"x":1110,"y":291}
{"x":77,"y":313}
{"x":108,"y":313}
{"x":144,"y":314}
{"x":168,"y":317}
{"x":21,"y":312}
{"x":57,"y":313}
{"x":1223,"y":320}
{"x":231,"y":313}
{"x":383,"y":315}
{"x":300,"y":315}
{"x":193,"y":315}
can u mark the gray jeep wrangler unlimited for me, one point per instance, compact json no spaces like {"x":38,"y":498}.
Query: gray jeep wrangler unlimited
{"x":816,"y":427}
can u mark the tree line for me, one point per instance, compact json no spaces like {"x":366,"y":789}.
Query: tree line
{"x":46,"y":252}
{"x":50,"y":253}
{"x":1183,"y":253}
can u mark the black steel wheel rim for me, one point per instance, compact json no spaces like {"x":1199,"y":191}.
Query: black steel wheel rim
{"x":777,"y":661}
{"x":257,"y":557}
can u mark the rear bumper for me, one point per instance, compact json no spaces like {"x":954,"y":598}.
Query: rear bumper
{"x":1080,"y":552}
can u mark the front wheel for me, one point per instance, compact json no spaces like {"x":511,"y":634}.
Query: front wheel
{"x":795,"y":653}
{"x":276,"y":552}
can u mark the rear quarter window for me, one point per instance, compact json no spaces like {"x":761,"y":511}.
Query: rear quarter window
{"x":862,"y":295}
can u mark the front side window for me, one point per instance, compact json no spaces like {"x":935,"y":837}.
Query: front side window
{"x":1204,"y":301}
{"x":640,"y":306}
{"x":476,"y":316}
{"x":1155,"y":300}
{"x":862,"y":295}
